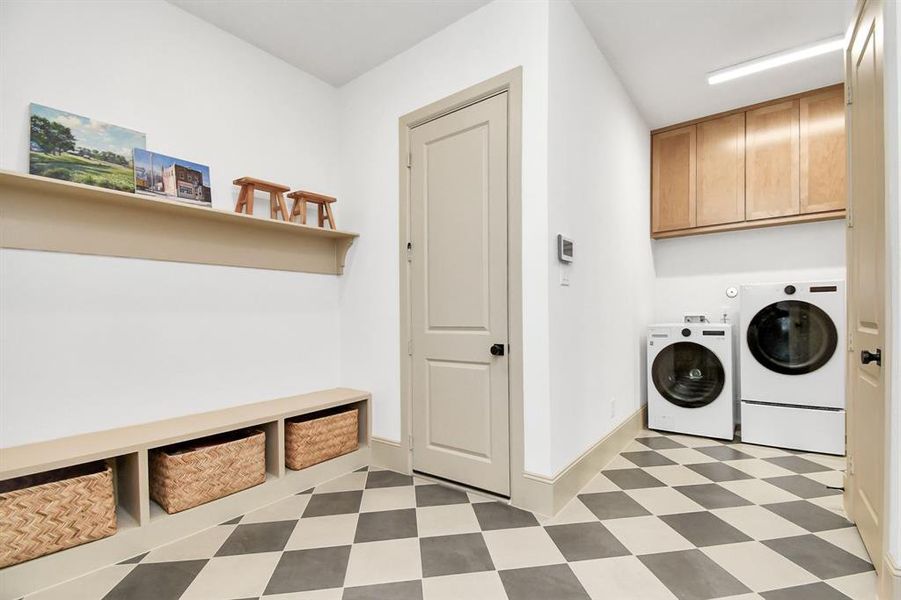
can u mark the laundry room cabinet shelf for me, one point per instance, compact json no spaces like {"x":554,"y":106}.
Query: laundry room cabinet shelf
{"x":59,"y":216}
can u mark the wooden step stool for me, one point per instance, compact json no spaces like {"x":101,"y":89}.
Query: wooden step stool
{"x":299,"y":207}
{"x":249,"y":185}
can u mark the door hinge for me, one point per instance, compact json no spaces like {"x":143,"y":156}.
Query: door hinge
{"x":410,"y":440}
{"x":409,"y":160}
{"x":409,"y":251}
{"x":410,"y":347}
{"x":849,"y":97}
{"x":850,"y":343}
{"x":850,"y":465}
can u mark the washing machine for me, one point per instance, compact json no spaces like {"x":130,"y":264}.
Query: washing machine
{"x":690,"y":379}
{"x":793,"y":365}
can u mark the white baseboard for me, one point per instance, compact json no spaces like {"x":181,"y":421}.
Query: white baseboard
{"x":890,"y":580}
{"x":388,"y":454}
{"x":547,"y":495}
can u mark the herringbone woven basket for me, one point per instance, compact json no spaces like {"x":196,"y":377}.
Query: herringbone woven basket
{"x":313,"y":441}
{"x":204,"y":470}
{"x":48,"y":512}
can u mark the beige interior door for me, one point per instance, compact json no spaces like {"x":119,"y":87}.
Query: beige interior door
{"x":866,"y":282}
{"x":673,"y":156}
{"x":458,"y":222}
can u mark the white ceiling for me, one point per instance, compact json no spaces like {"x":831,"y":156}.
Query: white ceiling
{"x":663,"y":49}
{"x":334,"y":40}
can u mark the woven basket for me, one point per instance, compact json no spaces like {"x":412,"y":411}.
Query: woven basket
{"x":44,"y":513}
{"x":199,"y":471}
{"x":311,"y":441}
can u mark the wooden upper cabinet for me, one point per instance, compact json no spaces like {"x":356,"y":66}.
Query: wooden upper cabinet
{"x":773,"y":170}
{"x":721,"y":170}
{"x":822,"y":131}
{"x":673,"y":180}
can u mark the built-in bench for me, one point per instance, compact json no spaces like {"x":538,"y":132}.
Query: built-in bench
{"x":142,"y":524}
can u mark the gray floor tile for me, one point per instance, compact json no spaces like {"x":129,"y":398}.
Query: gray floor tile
{"x":717,"y":471}
{"x":612,"y":505}
{"x":556,"y":582}
{"x":234,"y":521}
{"x":386,"y":525}
{"x":802,"y":486}
{"x":632,"y":479}
{"x":454,"y":554}
{"x":809,"y":516}
{"x":257,"y":537}
{"x":723,"y":453}
{"x":134,"y":559}
{"x":585,"y":541}
{"x":362,"y":470}
{"x":494,"y":515}
{"x":797,"y":464}
{"x":305,"y":492}
{"x":381,"y":479}
{"x":335,"y":503}
{"x":404,"y":590}
{"x":439,"y":495}
{"x":157,"y":581}
{"x":691,"y":575}
{"x":711,"y":495}
{"x":704,"y":529}
{"x":659,"y":443}
{"x":818,"y":556}
{"x":811,"y":591}
{"x":306,"y":570}
{"x":647,"y":458}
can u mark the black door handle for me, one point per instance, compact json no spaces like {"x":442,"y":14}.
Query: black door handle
{"x":866,"y":357}
{"x":497,"y":350}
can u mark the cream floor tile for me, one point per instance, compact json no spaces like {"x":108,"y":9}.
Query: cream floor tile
{"x":758,"y":451}
{"x":330,"y":594}
{"x":476,"y":498}
{"x":758,"y":492}
{"x":381,"y":562}
{"x":862,"y":585}
{"x":523,"y":547}
{"x":283,"y":510}
{"x":241,"y":576}
{"x":620,"y":463}
{"x":838,"y":463}
{"x":345,"y":483}
{"x":621,"y":578}
{"x":634,"y":446}
{"x":834,"y":503}
{"x":92,"y":585}
{"x":600,"y":483}
{"x":692,"y":441}
{"x":648,"y":433}
{"x":758,"y":567}
{"x":389,"y":498}
{"x":200,"y":545}
{"x":757,"y":467}
{"x":686,"y":456}
{"x":321,"y":532}
{"x":471,"y":586}
{"x":673,"y":475}
{"x":449,"y":519}
{"x":758,"y":522}
{"x":574,"y":512}
{"x":835,"y":479}
{"x":847,"y":539}
{"x":664,"y":501}
{"x":647,"y":535}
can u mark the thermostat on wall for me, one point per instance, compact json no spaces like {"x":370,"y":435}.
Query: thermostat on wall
{"x":564,"y":248}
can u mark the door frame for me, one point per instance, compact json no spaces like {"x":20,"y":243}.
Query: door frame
{"x":511,"y":83}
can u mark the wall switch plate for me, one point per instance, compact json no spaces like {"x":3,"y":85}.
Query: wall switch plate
{"x":564,"y":277}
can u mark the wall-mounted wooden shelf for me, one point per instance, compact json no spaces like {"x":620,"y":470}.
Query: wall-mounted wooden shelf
{"x":142,"y":525}
{"x":37,"y":213}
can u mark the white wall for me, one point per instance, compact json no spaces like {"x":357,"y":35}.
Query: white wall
{"x":498,"y":37}
{"x":89,"y":343}
{"x":598,"y":195}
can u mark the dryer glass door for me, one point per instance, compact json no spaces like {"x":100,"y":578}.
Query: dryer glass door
{"x":688,"y":374}
{"x":792,"y":337}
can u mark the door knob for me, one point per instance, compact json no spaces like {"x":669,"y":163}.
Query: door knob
{"x":866,"y":357}
{"x":497,"y":350}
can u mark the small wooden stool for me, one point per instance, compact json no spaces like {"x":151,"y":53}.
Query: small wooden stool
{"x":276,"y":199}
{"x":299,"y":207}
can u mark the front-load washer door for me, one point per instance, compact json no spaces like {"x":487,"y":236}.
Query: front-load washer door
{"x":792,"y":337}
{"x":688,"y":375}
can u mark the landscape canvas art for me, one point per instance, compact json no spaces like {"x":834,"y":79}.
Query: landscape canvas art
{"x":80,"y":149}
{"x":162,"y":175}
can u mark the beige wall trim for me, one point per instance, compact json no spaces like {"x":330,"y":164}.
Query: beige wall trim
{"x":547,"y":495}
{"x":391,"y":455}
{"x":890,"y":580}
{"x":510,"y":82}
{"x":59,"y":216}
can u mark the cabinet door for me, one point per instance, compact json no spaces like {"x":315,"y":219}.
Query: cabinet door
{"x":822,"y":126}
{"x":721,"y":170}
{"x":673,"y":180}
{"x":772,"y":173}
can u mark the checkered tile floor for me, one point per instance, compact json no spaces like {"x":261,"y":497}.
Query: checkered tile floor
{"x":671,"y":517}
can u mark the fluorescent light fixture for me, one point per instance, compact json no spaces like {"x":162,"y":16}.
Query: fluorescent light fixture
{"x":776,"y":60}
